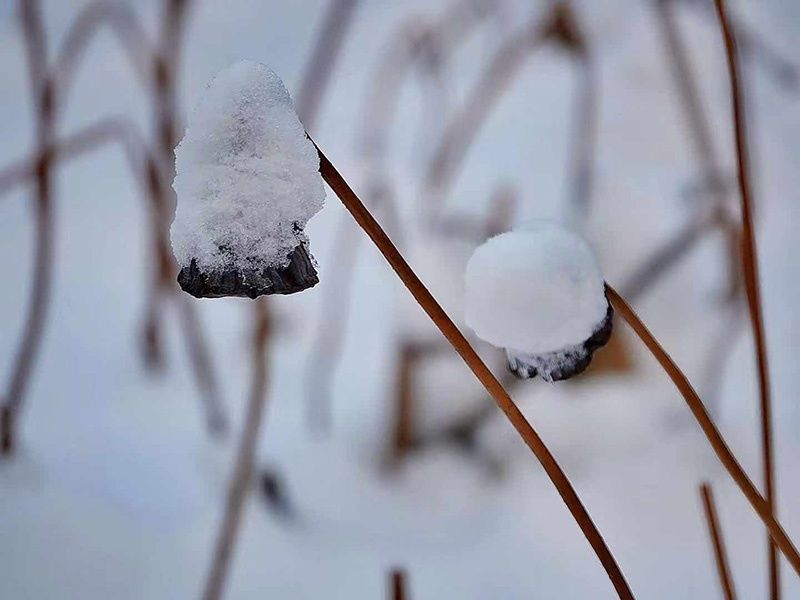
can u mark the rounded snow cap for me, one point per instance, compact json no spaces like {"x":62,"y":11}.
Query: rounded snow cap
{"x":538,"y":293}
{"x":247,"y":181}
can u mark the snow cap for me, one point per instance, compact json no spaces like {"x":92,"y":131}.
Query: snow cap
{"x":247,"y":183}
{"x":537,"y":292}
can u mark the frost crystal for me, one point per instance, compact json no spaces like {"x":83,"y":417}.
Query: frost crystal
{"x":537,"y":292}
{"x":247,"y":183}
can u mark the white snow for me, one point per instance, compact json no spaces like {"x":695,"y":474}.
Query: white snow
{"x":534,"y":290}
{"x":247,"y":176}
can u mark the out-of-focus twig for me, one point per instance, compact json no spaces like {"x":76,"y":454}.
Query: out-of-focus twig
{"x":245,"y":457}
{"x":706,"y":423}
{"x":751,"y":279}
{"x":753,"y":46}
{"x":86,"y":139}
{"x":43,"y":92}
{"x":397,"y":585}
{"x":717,"y":542}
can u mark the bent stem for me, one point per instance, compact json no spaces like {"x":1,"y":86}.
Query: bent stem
{"x":750,"y":269}
{"x":717,"y":543}
{"x":495,"y":389}
{"x":720,"y":447}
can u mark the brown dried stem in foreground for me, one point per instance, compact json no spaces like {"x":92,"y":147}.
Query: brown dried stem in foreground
{"x":751,"y":281}
{"x":495,"y":389}
{"x":717,"y":543}
{"x":720,"y":447}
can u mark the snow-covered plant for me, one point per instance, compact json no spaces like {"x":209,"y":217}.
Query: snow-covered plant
{"x":247,"y":183}
{"x":538,"y":293}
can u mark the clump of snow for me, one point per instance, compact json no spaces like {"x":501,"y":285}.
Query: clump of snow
{"x":538,"y":293}
{"x":247,"y":176}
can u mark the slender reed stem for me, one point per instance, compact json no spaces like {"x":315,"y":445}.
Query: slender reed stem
{"x":245,"y":457}
{"x":717,"y":543}
{"x":751,"y":281}
{"x":720,"y":447}
{"x":397,"y":585}
{"x":495,"y":389}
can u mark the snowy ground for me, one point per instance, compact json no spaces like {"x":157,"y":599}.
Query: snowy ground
{"x":117,"y":492}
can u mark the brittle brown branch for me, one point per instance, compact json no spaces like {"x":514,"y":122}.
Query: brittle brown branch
{"x":751,"y":279}
{"x":495,"y":389}
{"x":717,"y":542}
{"x":710,"y":430}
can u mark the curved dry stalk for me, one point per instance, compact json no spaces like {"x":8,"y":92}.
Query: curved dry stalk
{"x":714,"y":437}
{"x":42,"y":91}
{"x":495,"y":389}
{"x":121,"y":21}
{"x":751,"y":281}
{"x":717,"y":543}
{"x":245,"y":458}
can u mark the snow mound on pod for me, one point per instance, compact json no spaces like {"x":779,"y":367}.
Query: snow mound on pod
{"x":538,"y":293}
{"x":247,"y":176}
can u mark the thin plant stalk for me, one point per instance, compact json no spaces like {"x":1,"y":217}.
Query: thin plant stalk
{"x":718,"y":443}
{"x":397,"y":585}
{"x":495,"y":389}
{"x":717,"y":542}
{"x":751,"y":281}
{"x":43,"y":91}
{"x":245,"y":459}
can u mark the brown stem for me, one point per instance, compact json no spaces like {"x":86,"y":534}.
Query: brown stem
{"x":717,"y":543}
{"x":245,"y":459}
{"x":495,"y":389}
{"x":397,"y":585}
{"x":718,"y":444}
{"x":751,"y":281}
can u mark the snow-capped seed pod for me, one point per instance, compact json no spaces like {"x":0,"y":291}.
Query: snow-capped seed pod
{"x":538,"y":293}
{"x":247,"y":181}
